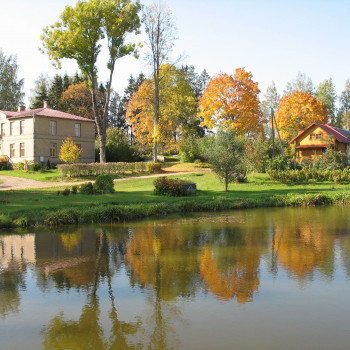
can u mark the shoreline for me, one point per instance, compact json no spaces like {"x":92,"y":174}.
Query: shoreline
{"x":113,"y":213}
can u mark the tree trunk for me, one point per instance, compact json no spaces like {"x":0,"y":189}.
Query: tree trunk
{"x":156,"y":115}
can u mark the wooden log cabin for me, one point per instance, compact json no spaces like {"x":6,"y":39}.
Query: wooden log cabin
{"x":313,"y":141}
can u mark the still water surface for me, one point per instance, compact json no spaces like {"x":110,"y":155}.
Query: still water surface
{"x":255,"y":279}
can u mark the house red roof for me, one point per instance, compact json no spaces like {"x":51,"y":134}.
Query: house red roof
{"x":45,"y":112}
{"x":339,"y":134}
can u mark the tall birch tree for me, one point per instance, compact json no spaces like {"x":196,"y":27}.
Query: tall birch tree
{"x":161,"y":34}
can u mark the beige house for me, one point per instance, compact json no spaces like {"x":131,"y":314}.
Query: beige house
{"x":36,"y":135}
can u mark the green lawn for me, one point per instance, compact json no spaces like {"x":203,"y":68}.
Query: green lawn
{"x":41,"y":175}
{"x":136,"y":197}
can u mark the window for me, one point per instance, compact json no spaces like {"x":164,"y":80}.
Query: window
{"x":53,"y":150}
{"x":315,"y":136}
{"x":53,"y":128}
{"x":12,"y":128}
{"x":21,"y":127}
{"x":21,"y":150}
{"x":77,"y":130}
{"x":3,"y":129}
{"x":12,"y":150}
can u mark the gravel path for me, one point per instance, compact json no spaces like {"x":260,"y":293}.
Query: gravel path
{"x":19,"y":183}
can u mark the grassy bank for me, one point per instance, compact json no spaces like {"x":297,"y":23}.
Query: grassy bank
{"x":134,"y":199}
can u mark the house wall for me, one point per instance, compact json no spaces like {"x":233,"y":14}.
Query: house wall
{"x":37,"y":138}
{"x":16,"y":138}
{"x":313,"y":153}
{"x":65,"y":128}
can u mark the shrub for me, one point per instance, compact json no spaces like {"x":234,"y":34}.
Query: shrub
{"x":5,"y":221}
{"x":189,"y":149}
{"x":154,"y":167}
{"x":3,"y":166}
{"x":104,"y":184}
{"x":69,"y":151}
{"x":86,"y":188}
{"x":35,"y":167}
{"x":331,"y":160}
{"x":48,"y":165}
{"x":74,"y":189}
{"x":94,"y":169}
{"x":170,"y":187}
{"x":19,"y":166}
{"x":277,"y":163}
{"x":66,"y":192}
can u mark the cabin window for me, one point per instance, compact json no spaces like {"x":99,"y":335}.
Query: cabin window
{"x":21,"y":150}
{"x":53,"y":128}
{"x":12,"y":150}
{"x":12,"y":128}
{"x":77,"y":130}
{"x":315,"y":136}
{"x":53,"y":150}
{"x":21,"y":127}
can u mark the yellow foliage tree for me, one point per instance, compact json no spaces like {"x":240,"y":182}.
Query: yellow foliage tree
{"x":69,"y":151}
{"x":177,"y":110}
{"x":297,"y":111}
{"x":232,"y":102}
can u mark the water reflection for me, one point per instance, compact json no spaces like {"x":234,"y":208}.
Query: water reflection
{"x":168,"y":262}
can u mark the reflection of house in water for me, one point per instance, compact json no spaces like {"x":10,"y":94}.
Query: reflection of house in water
{"x":16,"y":251}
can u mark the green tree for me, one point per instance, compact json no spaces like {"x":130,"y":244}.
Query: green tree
{"x":84,"y":26}
{"x":11,"y":94}
{"x":271,"y":100}
{"x":40,"y":92}
{"x":161,"y":33}
{"x":69,"y":151}
{"x":326,"y":93}
{"x":344,"y":110}
{"x":300,"y":83}
{"x":226,"y":156}
{"x":55,"y":91}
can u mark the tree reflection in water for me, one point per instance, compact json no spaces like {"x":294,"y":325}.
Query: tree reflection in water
{"x":86,"y":332}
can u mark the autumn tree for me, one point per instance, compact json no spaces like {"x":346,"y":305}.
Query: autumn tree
{"x":177,"y":110}
{"x":297,"y":111}
{"x":77,"y":100}
{"x":232,"y":102}
{"x":84,"y":27}
{"x":326,"y":93}
{"x":161,"y":34}
{"x":11,"y":87}
{"x":69,"y":151}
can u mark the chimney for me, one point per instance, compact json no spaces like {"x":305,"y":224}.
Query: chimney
{"x":21,"y":108}
{"x":45,"y":104}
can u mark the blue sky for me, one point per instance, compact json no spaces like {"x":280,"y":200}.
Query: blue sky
{"x":273,"y":39}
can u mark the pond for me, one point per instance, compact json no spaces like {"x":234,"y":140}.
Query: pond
{"x":266,"y":278}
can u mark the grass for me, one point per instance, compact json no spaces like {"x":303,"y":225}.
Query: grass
{"x":41,"y":175}
{"x":135,"y":199}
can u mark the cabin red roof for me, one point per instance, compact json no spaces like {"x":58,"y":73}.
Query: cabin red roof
{"x":45,"y":112}
{"x":339,"y":134}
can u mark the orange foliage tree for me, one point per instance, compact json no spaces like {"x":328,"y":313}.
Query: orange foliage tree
{"x":232,"y":102}
{"x":297,"y":111}
{"x":77,"y":100}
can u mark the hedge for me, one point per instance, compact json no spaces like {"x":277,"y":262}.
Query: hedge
{"x":95,"y":169}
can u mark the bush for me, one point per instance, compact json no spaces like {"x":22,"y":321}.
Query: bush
{"x":189,"y":149}
{"x":278,"y":163}
{"x":66,"y":192}
{"x":3,"y":166}
{"x":104,"y":184}
{"x":48,"y":165}
{"x":35,"y":167}
{"x":87,"y":188}
{"x":170,"y":187}
{"x":94,"y":169}
{"x":331,"y":160}
{"x":74,"y":189}
{"x":154,"y":167}
{"x":19,"y":166}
